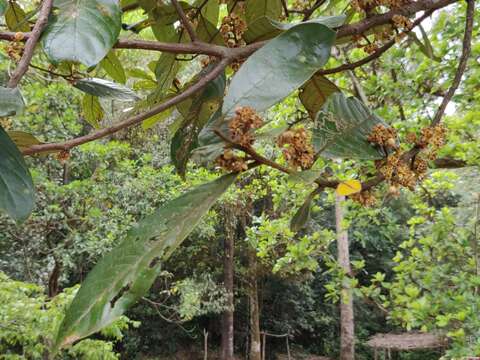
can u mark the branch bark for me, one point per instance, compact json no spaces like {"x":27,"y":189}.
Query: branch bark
{"x":184,"y":20}
{"x":32,"y":41}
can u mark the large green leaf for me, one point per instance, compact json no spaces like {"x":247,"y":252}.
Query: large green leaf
{"x":280,"y":67}
{"x":342,"y":128}
{"x":11,"y":101}
{"x":16,"y":18}
{"x":105,"y":88}
{"x":82,"y":30}
{"x":315,"y":92}
{"x":113,"y":67}
{"x":23,"y":140}
{"x":264,"y":28}
{"x":258,"y":8}
{"x":128,"y":271}
{"x":16,"y":186}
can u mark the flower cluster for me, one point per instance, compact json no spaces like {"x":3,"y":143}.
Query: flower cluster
{"x":242,"y":124}
{"x":231,"y":162}
{"x":297,"y":149}
{"x":402,"y":22}
{"x":365,"y":198}
{"x":384,"y":136}
{"x":431,"y":137}
{"x":232,"y":29}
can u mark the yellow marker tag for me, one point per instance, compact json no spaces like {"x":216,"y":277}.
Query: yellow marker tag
{"x":349,"y":187}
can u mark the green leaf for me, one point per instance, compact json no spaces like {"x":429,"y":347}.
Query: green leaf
{"x":16,"y":18}
{"x":23,"y":140}
{"x":82,"y":30}
{"x":258,"y":8}
{"x":278,"y":68}
{"x":16,"y":186}
{"x":302,"y":215}
{"x":425,"y":46}
{"x":165,"y":72}
{"x":342,"y":128}
{"x":264,"y":28}
{"x":315,"y":92}
{"x":11,"y":101}
{"x":201,"y":108}
{"x":92,"y":110}
{"x":127,"y":272}
{"x":3,"y":7}
{"x":105,"y":88}
{"x":113,"y":67}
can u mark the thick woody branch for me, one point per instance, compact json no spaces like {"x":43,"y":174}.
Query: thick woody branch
{"x":134,"y":120}
{"x":22,"y":66}
{"x":184,"y":20}
{"x":462,"y":65}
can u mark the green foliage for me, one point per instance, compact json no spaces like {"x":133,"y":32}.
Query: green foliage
{"x":29,"y":321}
{"x":106,"y":89}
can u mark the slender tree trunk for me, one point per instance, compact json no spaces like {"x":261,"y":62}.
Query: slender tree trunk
{"x":228,"y":272}
{"x":255,"y":336}
{"x":347,"y":325}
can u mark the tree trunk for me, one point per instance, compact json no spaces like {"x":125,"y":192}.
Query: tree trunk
{"x":255,"y":336}
{"x":228,"y":272}
{"x":347,"y":325}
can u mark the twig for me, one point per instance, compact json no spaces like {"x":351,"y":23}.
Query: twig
{"x":376,"y":54}
{"x":466,"y":50}
{"x":184,"y":20}
{"x":134,"y":120}
{"x":22,"y":66}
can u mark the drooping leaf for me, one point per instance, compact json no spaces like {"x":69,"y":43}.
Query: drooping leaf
{"x":278,"y":68}
{"x":127,"y":272}
{"x":11,"y":101}
{"x":315,"y":92}
{"x":258,"y":8}
{"x":16,"y":186}
{"x":302,"y":215}
{"x":200,"y":109}
{"x":349,"y":187}
{"x":165,"y":72}
{"x":342,"y":127}
{"x":92,"y":110}
{"x":113,"y":67}
{"x":82,"y":30}
{"x":264,"y":28}
{"x":3,"y":7}
{"x":425,"y":46}
{"x":105,"y":88}
{"x":16,"y":18}
{"x":23,"y":140}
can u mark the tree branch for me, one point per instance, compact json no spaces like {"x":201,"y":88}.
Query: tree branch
{"x":184,"y":20}
{"x":462,"y":65}
{"x":134,"y":120}
{"x":22,"y":66}
{"x":376,"y":54}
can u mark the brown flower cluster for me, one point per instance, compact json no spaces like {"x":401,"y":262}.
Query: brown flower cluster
{"x":63,"y":156}
{"x":232,"y":29}
{"x":231,"y":162}
{"x":431,"y":137}
{"x":384,"y":136}
{"x":297,"y":148}
{"x":242,"y":124}
{"x":398,"y":172}
{"x":365,"y":198}
{"x":402,"y":22}
{"x":14,"y":50}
